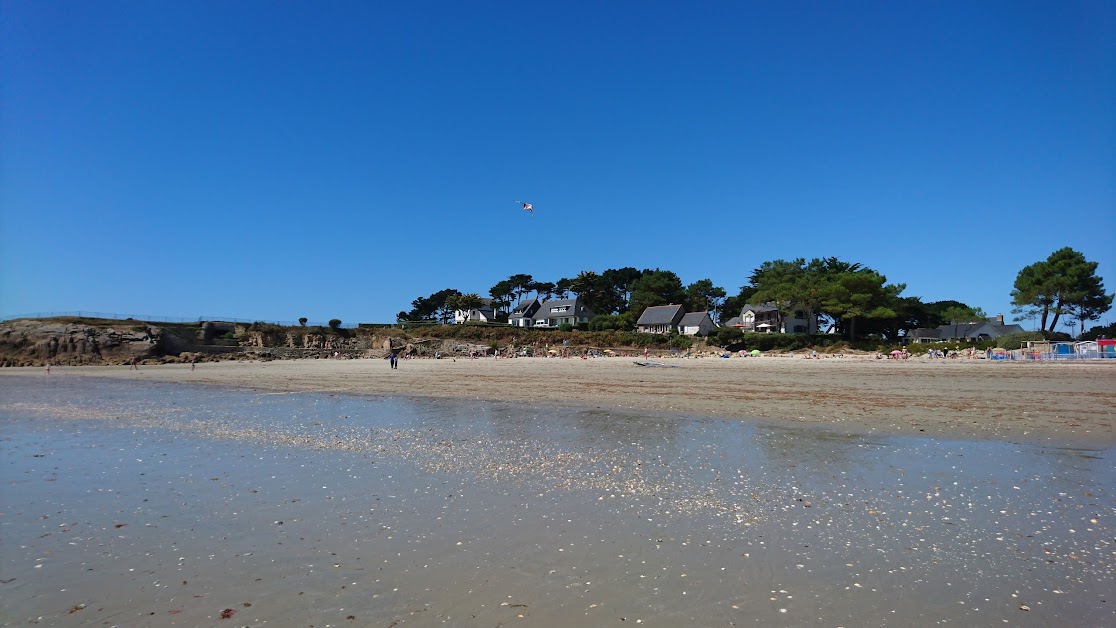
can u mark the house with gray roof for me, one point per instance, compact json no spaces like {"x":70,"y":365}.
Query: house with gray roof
{"x":561,"y":312}
{"x":696,"y":324}
{"x":486,"y":313}
{"x":964,"y":332}
{"x":660,"y":319}
{"x":764,"y":318}
{"x":523,"y":315}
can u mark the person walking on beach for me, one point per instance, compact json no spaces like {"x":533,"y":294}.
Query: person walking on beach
{"x":393,"y":361}
{"x":48,"y":368}
{"x":133,"y":366}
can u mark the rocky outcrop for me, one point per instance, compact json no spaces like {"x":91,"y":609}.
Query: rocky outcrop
{"x":38,"y":342}
{"x":307,"y":340}
{"x":73,"y":341}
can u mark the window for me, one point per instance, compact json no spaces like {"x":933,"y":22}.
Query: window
{"x":560,"y":308}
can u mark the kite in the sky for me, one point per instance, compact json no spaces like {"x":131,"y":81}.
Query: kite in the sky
{"x":527,"y":207}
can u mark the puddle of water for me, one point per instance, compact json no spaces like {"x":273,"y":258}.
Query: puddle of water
{"x":165,"y":505}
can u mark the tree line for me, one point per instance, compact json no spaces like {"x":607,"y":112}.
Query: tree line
{"x":848,"y":297}
{"x":1064,"y":284}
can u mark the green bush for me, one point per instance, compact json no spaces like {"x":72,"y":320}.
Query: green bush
{"x":1014,"y":341}
{"x":776,"y":342}
{"x":605,"y":322}
{"x":266,"y":327}
{"x":565,"y":327}
{"x":1099,"y":331}
{"x":681,"y":342}
{"x":726,"y":336}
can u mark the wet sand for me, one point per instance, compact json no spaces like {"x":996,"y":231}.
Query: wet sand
{"x":139,"y":503}
{"x":1052,"y":403}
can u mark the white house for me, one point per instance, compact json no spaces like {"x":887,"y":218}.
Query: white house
{"x":561,"y":312}
{"x":965,"y":332}
{"x":696,"y":324}
{"x":523,"y":315}
{"x":660,"y":319}
{"x":764,"y":318}
{"x":484,"y":314}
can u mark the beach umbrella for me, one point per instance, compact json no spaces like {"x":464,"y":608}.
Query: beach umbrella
{"x":756,"y":351}
{"x":896,"y":352}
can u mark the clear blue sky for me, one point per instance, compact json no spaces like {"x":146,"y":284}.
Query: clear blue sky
{"x":267,"y":160}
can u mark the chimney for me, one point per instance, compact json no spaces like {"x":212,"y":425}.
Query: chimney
{"x":999,"y":319}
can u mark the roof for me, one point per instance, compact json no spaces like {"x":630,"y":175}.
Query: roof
{"x":661,"y":315}
{"x":764,"y":307}
{"x":965,"y":330}
{"x":735,"y":320}
{"x":522,"y":307}
{"x":575,"y":309}
{"x":694,"y":319}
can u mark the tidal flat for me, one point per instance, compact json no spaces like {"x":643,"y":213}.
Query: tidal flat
{"x":136,"y":503}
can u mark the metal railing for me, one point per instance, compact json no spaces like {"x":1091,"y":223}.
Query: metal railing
{"x":153,"y":318}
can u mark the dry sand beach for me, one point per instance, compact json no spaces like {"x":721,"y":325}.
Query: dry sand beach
{"x":1060,"y":403}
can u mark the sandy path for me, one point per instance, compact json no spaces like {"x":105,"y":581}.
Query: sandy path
{"x":1063,"y":404}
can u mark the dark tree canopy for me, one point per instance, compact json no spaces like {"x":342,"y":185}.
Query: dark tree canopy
{"x":855,"y":299}
{"x":586,"y":287}
{"x":521,"y":285}
{"x":733,"y":305}
{"x":431,"y":307}
{"x":703,"y":296}
{"x":841,"y":291}
{"x":617,"y":284}
{"x":1099,"y":331}
{"x":562,"y":288}
{"x":656,"y":287}
{"x":1064,"y":283}
{"x":464,"y":302}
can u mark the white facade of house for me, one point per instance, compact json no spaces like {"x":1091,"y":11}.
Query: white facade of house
{"x":660,"y":319}
{"x":563,"y":312}
{"x":523,"y":314}
{"x":696,"y":324}
{"x":765,"y":319}
{"x":474,"y":316}
{"x":483,"y":314}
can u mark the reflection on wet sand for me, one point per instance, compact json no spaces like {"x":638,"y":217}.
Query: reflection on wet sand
{"x":169,"y":505}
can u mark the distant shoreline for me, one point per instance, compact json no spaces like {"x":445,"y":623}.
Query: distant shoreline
{"x":1058,"y":404}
